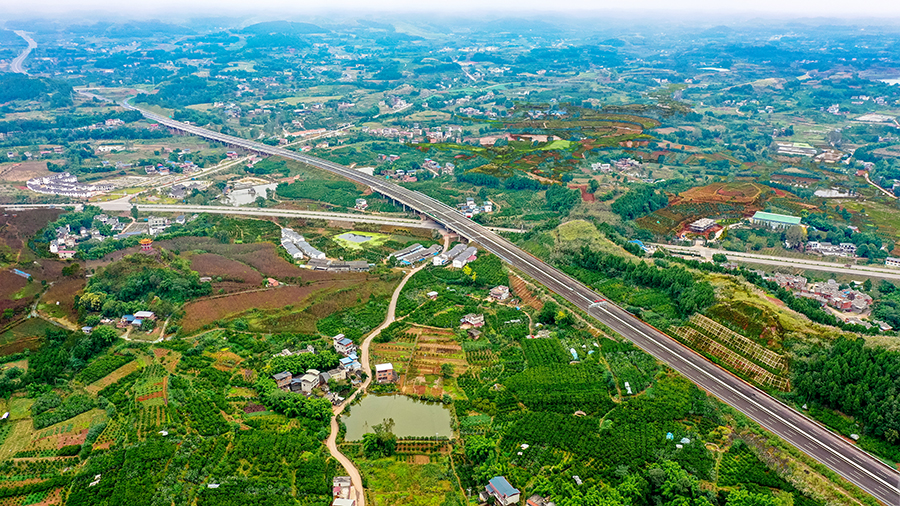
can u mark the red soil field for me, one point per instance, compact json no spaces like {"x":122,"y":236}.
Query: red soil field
{"x":239,"y":274}
{"x":585,"y":194}
{"x":731,"y":193}
{"x":261,"y":256}
{"x":147,"y":397}
{"x":201,"y":312}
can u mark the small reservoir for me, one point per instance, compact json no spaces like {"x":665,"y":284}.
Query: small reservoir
{"x":411,"y":417}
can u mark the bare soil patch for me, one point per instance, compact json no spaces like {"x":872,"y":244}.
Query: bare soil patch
{"x":23,"y":171}
{"x":64,"y":291}
{"x":236,"y":276}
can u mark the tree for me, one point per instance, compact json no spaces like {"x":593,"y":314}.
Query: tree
{"x":867,"y":285}
{"x":381,"y":443}
{"x":719,"y":258}
{"x":548,"y":313}
{"x":148,"y":324}
{"x":560,"y":198}
{"x":134,"y":212}
{"x":594,"y":185}
{"x":795,"y":235}
{"x":71,"y":270}
{"x":446,"y":370}
{"x":105,"y":335}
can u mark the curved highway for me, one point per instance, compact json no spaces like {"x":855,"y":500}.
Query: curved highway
{"x":16,"y":65}
{"x":854,"y":464}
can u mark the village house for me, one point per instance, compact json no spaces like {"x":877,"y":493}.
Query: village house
{"x":500,"y":292}
{"x":343,"y":345}
{"x":384,"y":373}
{"x":472,"y":319}
{"x":421,"y":254}
{"x":283,"y":380}
{"x":787,"y":281}
{"x":350,"y":364}
{"x":501,"y":491}
{"x":537,"y":500}
{"x":446,"y":256}
{"x":341,"y":487}
{"x":145,"y":315}
{"x":310,"y":381}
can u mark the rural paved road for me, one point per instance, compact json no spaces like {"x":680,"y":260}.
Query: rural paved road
{"x":351,"y":469}
{"x":16,"y":65}
{"x":882,"y":190}
{"x":799,"y":263}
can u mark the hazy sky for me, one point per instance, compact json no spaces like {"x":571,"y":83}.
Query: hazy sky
{"x":873,"y":9}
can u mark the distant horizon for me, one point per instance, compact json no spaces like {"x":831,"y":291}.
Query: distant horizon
{"x":649,"y":11}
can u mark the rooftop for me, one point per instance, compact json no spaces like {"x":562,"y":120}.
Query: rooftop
{"x":779,"y":218}
{"x":502,"y":486}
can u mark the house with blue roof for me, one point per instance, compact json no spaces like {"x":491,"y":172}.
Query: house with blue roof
{"x":126,"y":320}
{"x":501,"y":490}
{"x":350,"y":364}
{"x":344,"y":346}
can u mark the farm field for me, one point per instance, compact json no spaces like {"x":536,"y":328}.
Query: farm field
{"x":23,"y":171}
{"x":13,"y":289}
{"x":418,"y":354}
{"x":114,"y":376}
{"x":26,"y":335}
{"x":258,"y":255}
{"x":285,"y":308}
{"x":737,"y":193}
{"x":394,"y":482}
{"x":17,"y":228}
{"x":62,"y":292}
{"x":235,"y":276}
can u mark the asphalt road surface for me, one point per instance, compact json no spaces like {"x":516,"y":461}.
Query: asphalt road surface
{"x":844,"y":458}
{"x":16,"y":65}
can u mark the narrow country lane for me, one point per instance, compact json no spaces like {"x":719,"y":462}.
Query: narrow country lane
{"x":351,"y":469}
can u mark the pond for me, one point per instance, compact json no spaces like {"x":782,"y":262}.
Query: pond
{"x":411,"y":417}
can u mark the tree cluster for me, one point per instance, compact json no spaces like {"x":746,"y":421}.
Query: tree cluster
{"x":857,"y":380}
{"x":639,"y":201}
{"x":688,"y":294}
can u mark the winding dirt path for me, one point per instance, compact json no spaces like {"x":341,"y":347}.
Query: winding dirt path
{"x":348,"y":465}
